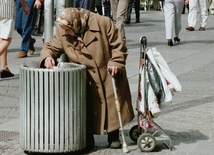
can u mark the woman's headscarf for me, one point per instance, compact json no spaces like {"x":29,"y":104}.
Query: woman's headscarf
{"x":75,"y":18}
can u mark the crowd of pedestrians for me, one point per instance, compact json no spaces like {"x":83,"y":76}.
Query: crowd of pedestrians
{"x":118,"y":10}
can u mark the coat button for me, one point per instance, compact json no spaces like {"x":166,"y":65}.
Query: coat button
{"x":89,"y":82}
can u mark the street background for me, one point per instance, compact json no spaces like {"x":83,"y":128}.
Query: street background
{"x":188,"y":120}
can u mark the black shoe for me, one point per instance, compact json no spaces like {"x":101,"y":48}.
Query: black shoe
{"x":137,"y":21}
{"x":6,"y":74}
{"x":170,"y":43}
{"x":127,"y":21}
{"x":115,"y":144}
{"x":113,"y":140}
{"x":176,"y":39}
{"x":31,"y":48}
{"x":36,"y":34}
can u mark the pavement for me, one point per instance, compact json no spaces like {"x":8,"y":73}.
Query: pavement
{"x":187,"y":120}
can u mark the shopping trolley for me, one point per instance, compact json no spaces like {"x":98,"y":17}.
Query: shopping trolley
{"x":146,"y":133}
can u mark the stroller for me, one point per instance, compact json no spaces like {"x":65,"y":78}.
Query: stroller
{"x":147,"y":133}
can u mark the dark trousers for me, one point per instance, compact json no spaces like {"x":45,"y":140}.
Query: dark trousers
{"x":97,"y":4}
{"x":82,"y":4}
{"x":107,"y":8}
{"x":136,"y":7}
{"x":38,"y":27}
{"x":113,"y":136}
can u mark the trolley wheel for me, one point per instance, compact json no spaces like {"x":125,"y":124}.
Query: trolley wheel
{"x":146,"y":142}
{"x":134,"y":133}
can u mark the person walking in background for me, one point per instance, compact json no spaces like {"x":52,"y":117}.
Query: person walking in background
{"x":192,"y":16}
{"x":184,"y":8}
{"x":94,"y":41}
{"x":172,"y":13}
{"x":129,"y":11}
{"x":98,"y":5}
{"x":119,"y":8}
{"x":107,"y":8}
{"x":211,"y":7}
{"x":85,"y":4}
{"x":24,"y":26}
{"x":38,"y":27}
{"x":7,"y":16}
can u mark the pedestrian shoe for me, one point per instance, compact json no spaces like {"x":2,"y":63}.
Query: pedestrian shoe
{"x":115,"y":144}
{"x":137,"y":21}
{"x":127,"y":21}
{"x":31,"y":48}
{"x":6,"y":74}
{"x":21,"y":55}
{"x":190,"y":28}
{"x":176,"y":39}
{"x":201,"y":29}
{"x":37,"y":34}
{"x":43,"y":40}
{"x":170,"y":43}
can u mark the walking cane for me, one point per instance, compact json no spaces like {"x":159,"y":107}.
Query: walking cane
{"x":125,"y":147}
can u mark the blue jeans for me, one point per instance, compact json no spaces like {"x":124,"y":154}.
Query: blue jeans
{"x":82,"y":4}
{"x":24,"y":23}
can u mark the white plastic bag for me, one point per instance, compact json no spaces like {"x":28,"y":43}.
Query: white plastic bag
{"x":166,"y":72}
{"x":168,"y":95}
{"x":153,"y":105}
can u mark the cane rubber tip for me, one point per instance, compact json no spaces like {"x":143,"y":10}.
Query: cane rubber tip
{"x":125,"y":150}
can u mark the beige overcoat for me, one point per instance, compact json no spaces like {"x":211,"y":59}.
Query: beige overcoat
{"x":103,"y":47}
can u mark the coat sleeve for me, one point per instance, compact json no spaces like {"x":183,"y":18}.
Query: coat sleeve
{"x":53,"y":48}
{"x":118,"y":50}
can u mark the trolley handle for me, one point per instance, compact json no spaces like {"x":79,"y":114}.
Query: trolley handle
{"x":143,"y":47}
{"x":110,"y":70}
{"x":143,"y":42}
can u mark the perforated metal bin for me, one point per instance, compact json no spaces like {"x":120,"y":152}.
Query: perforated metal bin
{"x":53,"y":109}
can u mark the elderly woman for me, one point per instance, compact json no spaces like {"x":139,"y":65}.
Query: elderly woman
{"x":93,"y":40}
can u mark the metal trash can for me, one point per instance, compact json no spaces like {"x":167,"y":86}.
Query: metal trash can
{"x":53,"y":108}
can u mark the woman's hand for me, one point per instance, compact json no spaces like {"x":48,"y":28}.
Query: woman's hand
{"x":37,"y":4}
{"x":142,"y":62}
{"x":112,"y":70}
{"x":49,"y":62}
